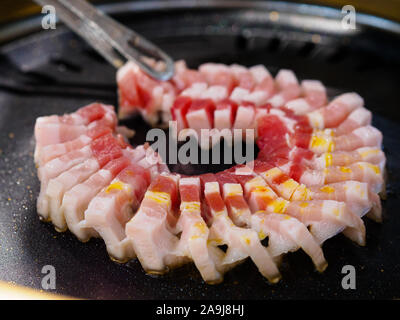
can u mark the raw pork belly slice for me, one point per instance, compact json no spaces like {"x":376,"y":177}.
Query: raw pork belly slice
{"x":151,"y":229}
{"x":140,"y":93}
{"x":261,"y":197}
{"x":244,"y":116}
{"x":319,"y":170}
{"x":103,"y":150}
{"x":241,"y":242}
{"x":200,"y":115}
{"x":344,"y":158}
{"x":299,"y":106}
{"x":184,"y":77}
{"x":285,"y":234}
{"x":237,"y":206}
{"x":56,"y":129}
{"x":325,"y":169}
{"x":288,"y":88}
{"x":76,"y":200}
{"x":194,"y":238}
{"x":325,"y":141}
{"x":314,"y":93}
{"x":179,"y":111}
{"x":264,"y":81}
{"x":358,"y":196}
{"x":243,"y":77}
{"x":336,"y":111}
{"x":52,"y":133}
{"x":83,"y":116}
{"x":218,"y":74}
{"x":225,"y":114}
{"x":360,"y":117}
{"x":359,"y":171}
{"x":267,"y":223}
{"x":93,"y":131}
{"x":137,"y":91}
{"x":215,"y":93}
{"x":54,"y":168}
{"x":110,"y":210}
{"x":286,"y":187}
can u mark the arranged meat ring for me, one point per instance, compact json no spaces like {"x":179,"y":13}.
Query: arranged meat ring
{"x":318,"y":172}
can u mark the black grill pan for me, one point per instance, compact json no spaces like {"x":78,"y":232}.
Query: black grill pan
{"x":53,"y":71}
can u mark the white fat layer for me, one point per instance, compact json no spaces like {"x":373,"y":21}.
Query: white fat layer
{"x":320,"y":162}
{"x":167,"y":101}
{"x":277,"y":100}
{"x":215,"y":93}
{"x":258,"y":97}
{"x":312,"y":178}
{"x":277,"y":112}
{"x":195,"y":90}
{"x":312,"y":85}
{"x":285,"y":77}
{"x":290,"y":123}
{"x":361,"y":116}
{"x":298,"y":106}
{"x":99,"y":208}
{"x":105,"y":174}
{"x":370,"y":135}
{"x":232,"y":188}
{"x":244,"y":118}
{"x":180,"y":66}
{"x":238,"y":94}
{"x":211,"y":187}
{"x":356,"y":191}
{"x":212,"y":68}
{"x":174,"y":177}
{"x":121,"y":73}
{"x":189,"y":181}
{"x":255,"y":182}
{"x":316,"y":119}
{"x":198,"y":120}
{"x":77,"y":119}
{"x":331,"y":208}
{"x":237,"y":69}
{"x":352,"y":100}
{"x":259,"y":73}
{"x":48,"y":134}
{"x":222,"y":119}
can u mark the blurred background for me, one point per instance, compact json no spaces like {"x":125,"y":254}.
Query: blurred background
{"x":11,"y":10}
{"x":34,"y":79}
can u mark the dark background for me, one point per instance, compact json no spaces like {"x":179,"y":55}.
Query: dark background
{"x":11,"y":10}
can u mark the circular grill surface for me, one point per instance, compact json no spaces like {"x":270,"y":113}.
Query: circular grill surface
{"x":53,"y":71}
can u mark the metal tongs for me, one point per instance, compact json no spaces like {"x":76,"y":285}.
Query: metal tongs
{"x":115,"y":42}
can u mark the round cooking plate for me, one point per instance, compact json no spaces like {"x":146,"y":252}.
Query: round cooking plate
{"x":53,"y":71}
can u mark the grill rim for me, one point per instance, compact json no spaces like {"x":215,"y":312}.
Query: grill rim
{"x":18,"y":29}
{"x":225,"y":288}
